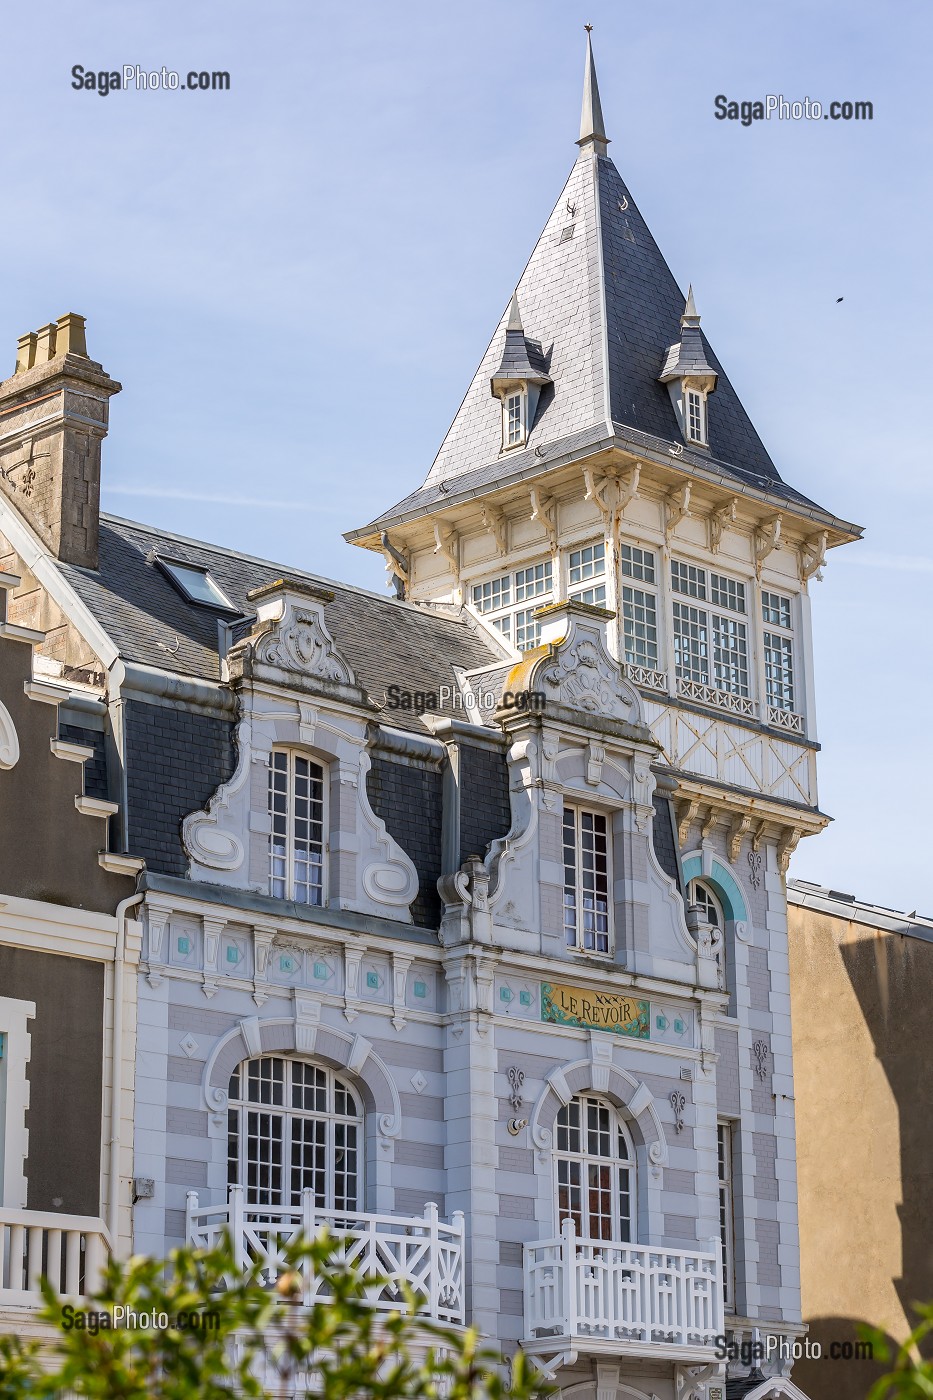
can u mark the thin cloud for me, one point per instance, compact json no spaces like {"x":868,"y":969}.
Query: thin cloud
{"x":171,"y":493}
{"x":901,"y":563}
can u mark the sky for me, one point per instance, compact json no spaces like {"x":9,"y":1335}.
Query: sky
{"x":295,"y":279}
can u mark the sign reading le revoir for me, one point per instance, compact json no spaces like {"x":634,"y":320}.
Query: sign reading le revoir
{"x":602,"y":1011}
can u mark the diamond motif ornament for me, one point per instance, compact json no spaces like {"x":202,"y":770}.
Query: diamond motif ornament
{"x":418,"y":1082}
{"x":189,"y":1045}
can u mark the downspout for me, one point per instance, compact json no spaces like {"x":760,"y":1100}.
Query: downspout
{"x":116,"y":1066}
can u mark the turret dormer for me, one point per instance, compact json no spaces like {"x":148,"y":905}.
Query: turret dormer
{"x":689,"y":377}
{"x":518,"y":381}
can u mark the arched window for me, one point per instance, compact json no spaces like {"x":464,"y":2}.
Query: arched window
{"x":293,"y":1125}
{"x":595,"y":1170}
{"x":297,"y":840}
{"x":699,"y":893}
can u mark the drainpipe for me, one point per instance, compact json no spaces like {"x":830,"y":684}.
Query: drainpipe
{"x":116,"y":1066}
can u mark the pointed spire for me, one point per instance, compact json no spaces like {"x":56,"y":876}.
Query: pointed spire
{"x":514,"y":322}
{"x":690,"y":316}
{"x":592,"y":129}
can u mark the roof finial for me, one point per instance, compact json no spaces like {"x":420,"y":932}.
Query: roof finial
{"x":592,"y":130}
{"x":514,"y":322}
{"x":690,"y":316}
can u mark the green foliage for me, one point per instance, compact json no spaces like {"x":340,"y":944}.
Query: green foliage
{"x":911,"y":1376}
{"x":249,"y":1339}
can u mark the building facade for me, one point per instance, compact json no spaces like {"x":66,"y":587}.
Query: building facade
{"x":463,"y":911}
{"x":859,"y":991}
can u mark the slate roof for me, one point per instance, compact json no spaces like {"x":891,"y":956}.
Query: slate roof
{"x":385,"y":641}
{"x":599,"y":298}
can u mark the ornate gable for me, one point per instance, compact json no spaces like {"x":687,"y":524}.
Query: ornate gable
{"x":290,"y":645}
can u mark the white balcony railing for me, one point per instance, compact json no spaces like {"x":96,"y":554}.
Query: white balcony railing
{"x":712,"y":695}
{"x":658,"y":1299}
{"x":395,"y":1251}
{"x":69,"y":1250}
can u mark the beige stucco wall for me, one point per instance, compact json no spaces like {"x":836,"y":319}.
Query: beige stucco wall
{"x":862,"y":1003}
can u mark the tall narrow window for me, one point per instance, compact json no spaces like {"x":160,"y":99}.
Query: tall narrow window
{"x":696,"y":417}
{"x":291,"y":1126}
{"x":513,"y":412}
{"x":296,"y":842}
{"x":586,"y":880}
{"x":639,"y":607}
{"x":779,"y":651}
{"x":726,"y":1214}
{"x":595,"y":1170}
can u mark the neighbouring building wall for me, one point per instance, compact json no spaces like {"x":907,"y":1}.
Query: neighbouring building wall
{"x":862,"y":1001}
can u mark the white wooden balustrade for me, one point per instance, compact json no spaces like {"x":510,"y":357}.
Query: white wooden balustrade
{"x":69,"y":1250}
{"x":593,"y":1290}
{"x":395,"y":1251}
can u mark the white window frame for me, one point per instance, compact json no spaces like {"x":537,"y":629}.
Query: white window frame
{"x":287,"y":877}
{"x":694,"y":398}
{"x":638,"y":590}
{"x":580,"y":931}
{"x":334,"y":1124}
{"x":514,"y":618}
{"x":709,"y":900}
{"x":585,"y":1160}
{"x":511,"y":396}
{"x":778,"y":637}
{"x":710,"y":612}
{"x":14,"y":1100}
{"x":725,"y":1152}
{"x":589,"y":584}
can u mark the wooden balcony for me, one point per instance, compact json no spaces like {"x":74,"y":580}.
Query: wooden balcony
{"x":69,"y":1250}
{"x":394,"y":1251}
{"x":592,"y":1296}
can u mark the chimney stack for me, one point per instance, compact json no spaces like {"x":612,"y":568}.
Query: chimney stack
{"x":54,"y":413}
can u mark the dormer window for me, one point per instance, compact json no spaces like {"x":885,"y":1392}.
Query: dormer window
{"x":518,"y":381}
{"x":513,"y":427}
{"x":696,"y":417}
{"x":689,"y":377}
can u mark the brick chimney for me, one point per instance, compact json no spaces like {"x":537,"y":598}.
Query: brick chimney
{"x":53,"y":418}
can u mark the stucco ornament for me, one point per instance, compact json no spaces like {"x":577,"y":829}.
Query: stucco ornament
{"x":580,"y":673}
{"x":9,"y":742}
{"x":294,"y":635}
{"x":300,"y":642}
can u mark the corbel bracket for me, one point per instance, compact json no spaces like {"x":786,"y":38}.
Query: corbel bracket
{"x":740,"y":826}
{"x":544,"y":510}
{"x":787,"y":845}
{"x":398,"y":565}
{"x":717,"y":521}
{"x":612,"y":493}
{"x":813,"y":557}
{"x":686,"y":816}
{"x":447,"y":542}
{"x":767,"y":538}
{"x":497,"y":523}
{"x":676,"y":509}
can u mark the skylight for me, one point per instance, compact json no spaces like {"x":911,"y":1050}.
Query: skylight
{"x":196,"y":584}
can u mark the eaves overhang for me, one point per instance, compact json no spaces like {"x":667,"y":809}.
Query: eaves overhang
{"x":487,"y":482}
